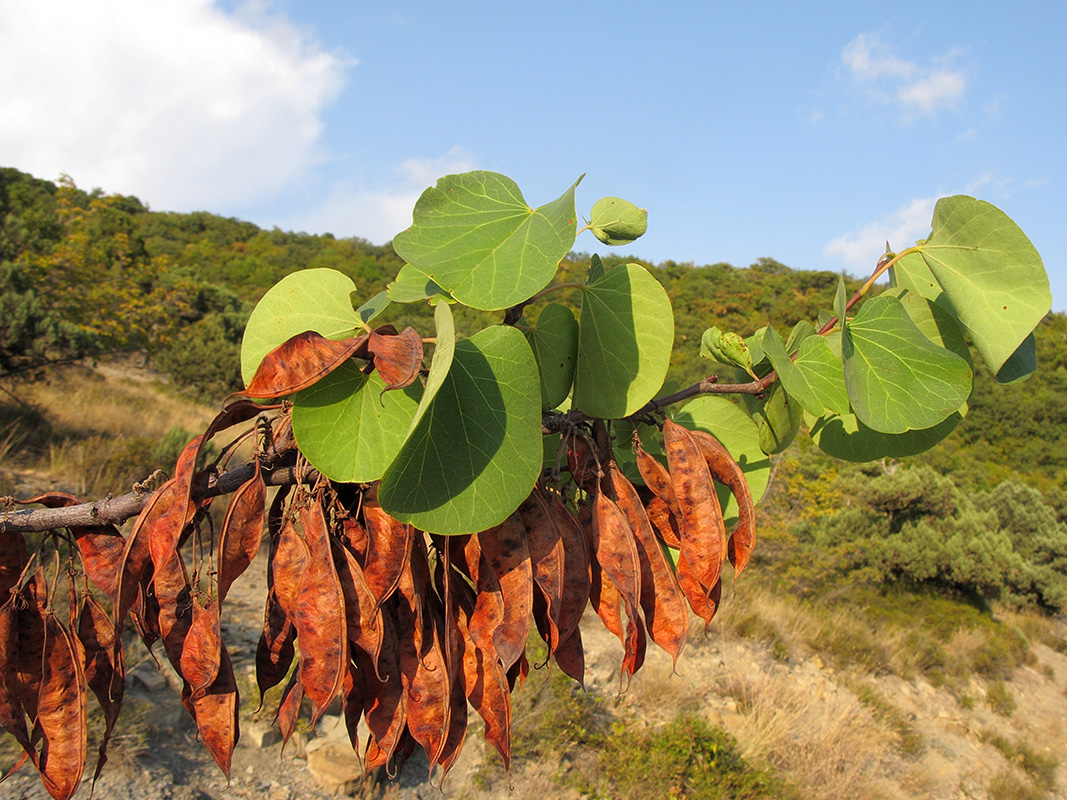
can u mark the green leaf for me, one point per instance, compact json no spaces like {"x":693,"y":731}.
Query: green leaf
{"x":615,"y":221}
{"x":1021,"y":364}
{"x":982,"y":268}
{"x":596,"y":269}
{"x":777,"y":418}
{"x":815,"y":379}
{"x":475,"y":236}
{"x":841,"y":302}
{"x":897,"y":379}
{"x":441,"y":362}
{"x":724,"y":420}
{"x":475,"y":454}
{"x":347,"y":428}
{"x":309,"y":300}
{"x":801,"y":331}
{"x":373,"y":307}
{"x":554,"y":340}
{"x":411,"y":285}
{"x":844,"y":436}
{"x":936,"y":324}
{"x":625,"y":335}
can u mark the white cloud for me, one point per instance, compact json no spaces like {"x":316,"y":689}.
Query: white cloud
{"x":859,"y":250}
{"x":889,"y":79}
{"x":178,"y":102}
{"x":378,"y":214}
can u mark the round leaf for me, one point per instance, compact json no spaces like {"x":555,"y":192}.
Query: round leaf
{"x":982,"y":268}
{"x":309,"y":300}
{"x":350,"y":428}
{"x":615,"y":221}
{"x":844,"y":436}
{"x":897,"y":379}
{"x":474,"y":236}
{"x":554,"y":340}
{"x":625,"y":335}
{"x":475,"y":454}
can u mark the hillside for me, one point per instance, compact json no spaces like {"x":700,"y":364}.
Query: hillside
{"x":900,"y":632}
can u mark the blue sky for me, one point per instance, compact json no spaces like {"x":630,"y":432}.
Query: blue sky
{"x":809,"y":133}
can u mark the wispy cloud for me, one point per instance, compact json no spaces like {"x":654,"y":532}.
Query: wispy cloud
{"x":181,"y":103}
{"x":889,"y":79}
{"x":378,"y":213}
{"x":860,"y":249}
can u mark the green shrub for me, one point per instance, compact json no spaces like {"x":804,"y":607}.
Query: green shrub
{"x":687,"y":758}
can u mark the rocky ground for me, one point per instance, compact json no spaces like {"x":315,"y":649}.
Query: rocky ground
{"x":798,"y":714}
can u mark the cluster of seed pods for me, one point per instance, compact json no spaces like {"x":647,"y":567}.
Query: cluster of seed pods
{"x":409,"y":631}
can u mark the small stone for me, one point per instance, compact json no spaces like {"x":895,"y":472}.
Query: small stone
{"x":335,"y":768}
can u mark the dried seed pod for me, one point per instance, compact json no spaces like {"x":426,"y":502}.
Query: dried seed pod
{"x":728,"y":472}
{"x":319,"y":616}
{"x":576,"y":571}
{"x":661,"y":598}
{"x":216,"y":711}
{"x":505,"y":550}
{"x":603,"y":595}
{"x":12,"y":717}
{"x":699,"y":596}
{"x":581,"y":460}
{"x":202,"y":647}
{"x":703,"y":532}
{"x":384,"y":697}
{"x":363,"y":615}
{"x":545,"y":546}
{"x":655,"y":475}
{"x":105,"y":668}
{"x":664,"y":521}
{"x":616,"y":552}
{"x":299,"y":362}
{"x":388,"y":548}
{"x":60,"y":722}
{"x":242,"y":531}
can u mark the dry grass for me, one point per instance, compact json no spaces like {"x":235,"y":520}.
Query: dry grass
{"x":88,"y":431}
{"x":830,"y":744}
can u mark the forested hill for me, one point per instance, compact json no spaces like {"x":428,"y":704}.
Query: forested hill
{"x":84,"y":273}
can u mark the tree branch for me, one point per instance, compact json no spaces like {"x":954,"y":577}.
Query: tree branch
{"x":116,"y":510}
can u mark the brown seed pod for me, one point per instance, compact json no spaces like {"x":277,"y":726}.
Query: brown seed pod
{"x":388,"y":547}
{"x":397,"y":356}
{"x":242,"y":531}
{"x":603,"y":595}
{"x":698,"y":595}
{"x":703,"y":532}
{"x":505,"y":550}
{"x":319,"y":616}
{"x":655,"y":475}
{"x":384,"y":696}
{"x":12,"y":717}
{"x":423,"y":667}
{"x":661,"y":599}
{"x":664,"y":521}
{"x":289,"y":709}
{"x":576,"y":572}
{"x":202,"y":647}
{"x":727,"y":471}
{"x":60,"y":722}
{"x":216,"y":711}
{"x":616,"y":552}
{"x":362,"y":613}
{"x":105,"y":668}
{"x":298,"y":363}
{"x":581,"y":460}
{"x":545,"y":546}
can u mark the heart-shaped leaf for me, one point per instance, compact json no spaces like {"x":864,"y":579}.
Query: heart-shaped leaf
{"x":982,"y":268}
{"x":309,"y":300}
{"x":475,"y":237}
{"x":349,"y":427}
{"x":475,"y":454}
{"x":844,"y":436}
{"x":625,"y":336}
{"x":615,"y":221}
{"x":554,"y":340}
{"x":815,"y":378}
{"x":897,"y":379}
